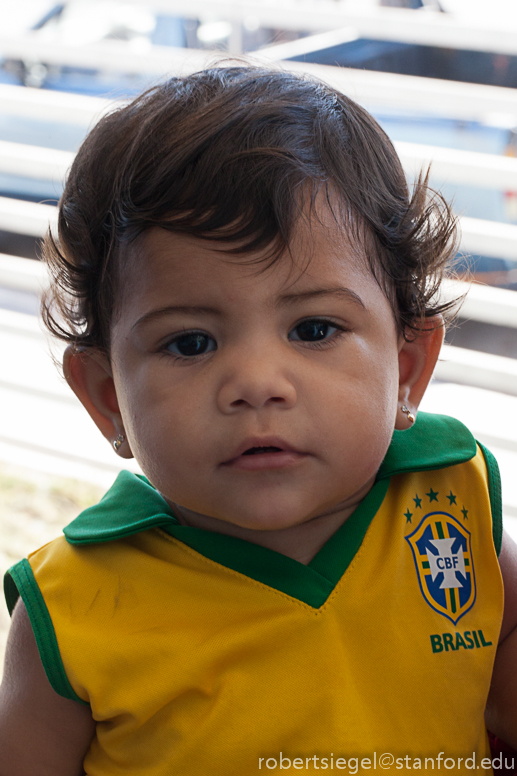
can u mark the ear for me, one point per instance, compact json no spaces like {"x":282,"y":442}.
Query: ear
{"x":417,"y":359}
{"x":89,"y":375}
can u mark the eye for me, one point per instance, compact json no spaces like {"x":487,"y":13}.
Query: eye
{"x":191,"y":343}
{"x":313,"y":330}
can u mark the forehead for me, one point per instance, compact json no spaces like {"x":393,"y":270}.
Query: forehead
{"x":161,"y":262}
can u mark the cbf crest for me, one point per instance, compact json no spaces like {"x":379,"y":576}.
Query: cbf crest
{"x":442,"y":553}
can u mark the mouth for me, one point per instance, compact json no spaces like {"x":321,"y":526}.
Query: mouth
{"x":259,"y":454}
{"x":260,"y":450}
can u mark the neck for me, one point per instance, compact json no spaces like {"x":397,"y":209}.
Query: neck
{"x":301,"y":542}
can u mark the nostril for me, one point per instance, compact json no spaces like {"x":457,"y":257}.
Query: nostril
{"x":276,"y":399}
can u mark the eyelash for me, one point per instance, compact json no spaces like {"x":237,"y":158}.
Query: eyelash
{"x":327,"y":342}
{"x":177,"y":356}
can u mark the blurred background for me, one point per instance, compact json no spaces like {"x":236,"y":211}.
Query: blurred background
{"x":439,"y":75}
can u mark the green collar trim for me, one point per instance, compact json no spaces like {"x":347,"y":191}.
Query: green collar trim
{"x":112,"y":519}
{"x":312,"y":583}
{"x":434,"y":442}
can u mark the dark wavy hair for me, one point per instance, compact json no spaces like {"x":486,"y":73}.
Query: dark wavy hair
{"x":237,"y":154}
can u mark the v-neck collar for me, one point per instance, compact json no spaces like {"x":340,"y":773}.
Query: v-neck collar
{"x":132,"y":505}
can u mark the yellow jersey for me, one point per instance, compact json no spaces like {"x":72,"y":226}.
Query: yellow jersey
{"x":203,"y":654}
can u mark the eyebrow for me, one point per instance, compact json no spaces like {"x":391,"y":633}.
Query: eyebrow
{"x":184,"y":309}
{"x":315,"y":293}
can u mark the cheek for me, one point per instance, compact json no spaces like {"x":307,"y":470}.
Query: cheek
{"x":383,"y":393}
{"x":359,"y":397}
{"x":166,"y":422}
{"x":367,"y":371}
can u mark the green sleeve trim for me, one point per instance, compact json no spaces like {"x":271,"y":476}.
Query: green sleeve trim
{"x":496,"y":501}
{"x":20,"y":581}
{"x":10,"y":591}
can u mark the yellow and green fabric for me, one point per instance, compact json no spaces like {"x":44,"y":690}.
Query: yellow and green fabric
{"x":201,"y":653}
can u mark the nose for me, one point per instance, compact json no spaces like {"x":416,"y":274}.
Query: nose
{"x":255,"y":380}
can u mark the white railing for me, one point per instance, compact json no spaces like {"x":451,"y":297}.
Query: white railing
{"x":450,"y":99}
{"x":448,"y":164}
{"x":28,"y":218}
{"x":48,"y":105}
{"x":472,"y":367}
{"x":485,"y":238}
{"x":488,"y":238}
{"x":424,"y":27}
{"x":22,"y":274}
{"x":414,"y":94}
{"x":453,"y":165}
{"x":34,"y":161}
{"x":110,"y":55}
{"x":443,"y":97}
{"x":483,"y":303}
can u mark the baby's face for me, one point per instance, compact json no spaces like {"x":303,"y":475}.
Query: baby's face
{"x":259,"y":397}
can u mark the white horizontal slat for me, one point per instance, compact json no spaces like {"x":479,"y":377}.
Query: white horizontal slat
{"x":414,"y":94}
{"x":489,"y":238}
{"x":424,"y":27}
{"x":111,"y":55}
{"x":41,"y":421}
{"x":471,"y":367}
{"x":473,"y":406}
{"x":308,"y":44}
{"x":448,"y":164}
{"x":26,"y":217}
{"x":448,"y":99}
{"x":21,"y":324}
{"x":336,"y":20}
{"x":22,"y":274}
{"x":34,"y":161}
{"x":48,"y":105}
{"x":483,"y":303}
{"x":453,"y":165}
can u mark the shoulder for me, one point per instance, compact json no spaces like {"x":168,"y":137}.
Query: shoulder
{"x":41,"y":733}
{"x":501,"y":712}
{"x":508,"y":565}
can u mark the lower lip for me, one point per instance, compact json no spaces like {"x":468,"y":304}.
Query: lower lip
{"x":260,"y":461}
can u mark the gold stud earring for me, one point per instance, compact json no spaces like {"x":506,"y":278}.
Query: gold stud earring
{"x":408,"y":412}
{"x":118,"y":441}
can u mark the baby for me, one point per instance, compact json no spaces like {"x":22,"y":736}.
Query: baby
{"x":307,"y":577}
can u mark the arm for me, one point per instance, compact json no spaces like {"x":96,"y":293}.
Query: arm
{"x":501,"y":710}
{"x":41,"y":733}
